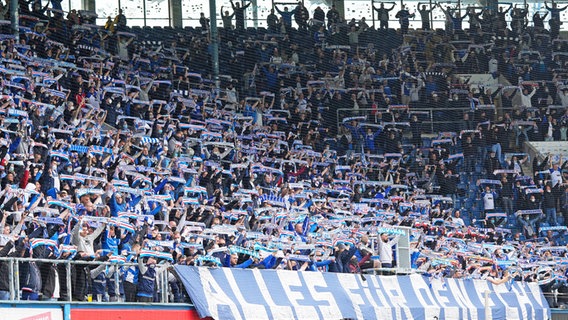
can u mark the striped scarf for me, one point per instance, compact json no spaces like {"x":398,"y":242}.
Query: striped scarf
{"x":34,"y":243}
{"x":156,"y":254}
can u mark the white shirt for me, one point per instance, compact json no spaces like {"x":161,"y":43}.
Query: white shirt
{"x":549,"y":132}
{"x":493,"y":64}
{"x":385,"y":250}
{"x":526,"y":99}
{"x":458,"y":221}
{"x":516,"y":166}
{"x":56,"y":289}
{"x":563,"y":99}
{"x":488,"y":201}
{"x":555,"y":177}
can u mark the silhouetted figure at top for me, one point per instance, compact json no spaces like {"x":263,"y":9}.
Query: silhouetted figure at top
{"x":286,"y":16}
{"x":501,"y":18}
{"x":120,"y":21}
{"x":239,"y":14}
{"x":425,"y":16}
{"x":403,"y":17}
{"x":554,"y":21}
{"x":518,"y":16}
{"x":383,"y":15}
{"x":333,"y":16}
{"x":538,"y":21}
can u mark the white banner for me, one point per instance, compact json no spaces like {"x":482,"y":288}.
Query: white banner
{"x":227,"y":293}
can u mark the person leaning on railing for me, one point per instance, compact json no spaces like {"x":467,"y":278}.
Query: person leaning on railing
{"x":146,"y":279}
{"x":5,"y":274}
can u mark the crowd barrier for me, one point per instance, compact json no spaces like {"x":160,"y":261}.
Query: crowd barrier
{"x":14,"y":270}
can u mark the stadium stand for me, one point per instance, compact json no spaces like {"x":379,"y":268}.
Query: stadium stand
{"x":315,"y":144}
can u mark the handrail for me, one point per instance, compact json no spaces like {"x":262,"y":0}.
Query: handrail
{"x":392,"y":270}
{"x":98,"y":263}
{"x":370,"y":113}
{"x":14,"y":279}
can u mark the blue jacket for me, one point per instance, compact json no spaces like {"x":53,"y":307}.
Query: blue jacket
{"x":99,"y":284}
{"x":131,"y":275}
{"x":110,"y":244}
{"x":115,"y":208}
{"x":111,"y":283}
{"x":314,"y":266}
{"x":146,"y":280}
{"x":244,"y":265}
{"x":286,"y":16}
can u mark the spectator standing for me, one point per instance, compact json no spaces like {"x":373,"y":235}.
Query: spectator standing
{"x":333,"y":16}
{"x":425,"y":16}
{"x":109,"y":25}
{"x":227,"y":19}
{"x":204,"y":22}
{"x":287,"y":17}
{"x":457,"y":219}
{"x":383,"y":15}
{"x":146,"y":279}
{"x":319,"y":17}
{"x":122,"y":46}
{"x":301,"y":16}
{"x":386,"y":250}
{"x":272,"y":22}
{"x":506,"y":195}
{"x":403,"y":17}
{"x":518,"y":17}
{"x":239,"y":13}
{"x":555,"y":21}
{"x":549,"y":205}
{"x":120,"y":21}
{"x":130,"y":280}
{"x":5,"y":267}
{"x":489,"y":196}
{"x":474,"y":20}
{"x":538,"y":21}
{"x":84,"y":239}
{"x":526,"y":97}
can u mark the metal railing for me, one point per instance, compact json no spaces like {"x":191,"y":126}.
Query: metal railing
{"x":429,"y":124}
{"x":392,"y":271}
{"x":15,"y":285}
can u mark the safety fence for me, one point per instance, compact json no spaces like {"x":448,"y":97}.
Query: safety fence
{"x":15,"y":266}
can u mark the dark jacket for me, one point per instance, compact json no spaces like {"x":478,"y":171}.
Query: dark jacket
{"x":5,"y":267}
{"x":32,"y":277}
{"x":146,"y":279}
{"x":48,"y":276}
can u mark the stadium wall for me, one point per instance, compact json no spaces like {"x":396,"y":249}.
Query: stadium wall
{"x":90,"y":311}
{"x":96,"y":311}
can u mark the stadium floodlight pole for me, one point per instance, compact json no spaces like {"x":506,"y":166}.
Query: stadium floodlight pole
{"x":431,"y":16}
{"x":214,"y":41}
{"x":14,"y":19}
{"x":144,"y":8}
{"x":254,"y":13}
{"x":373,"y":12}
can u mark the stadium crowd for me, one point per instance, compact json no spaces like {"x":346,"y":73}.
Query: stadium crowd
{"x":117,"y":145}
